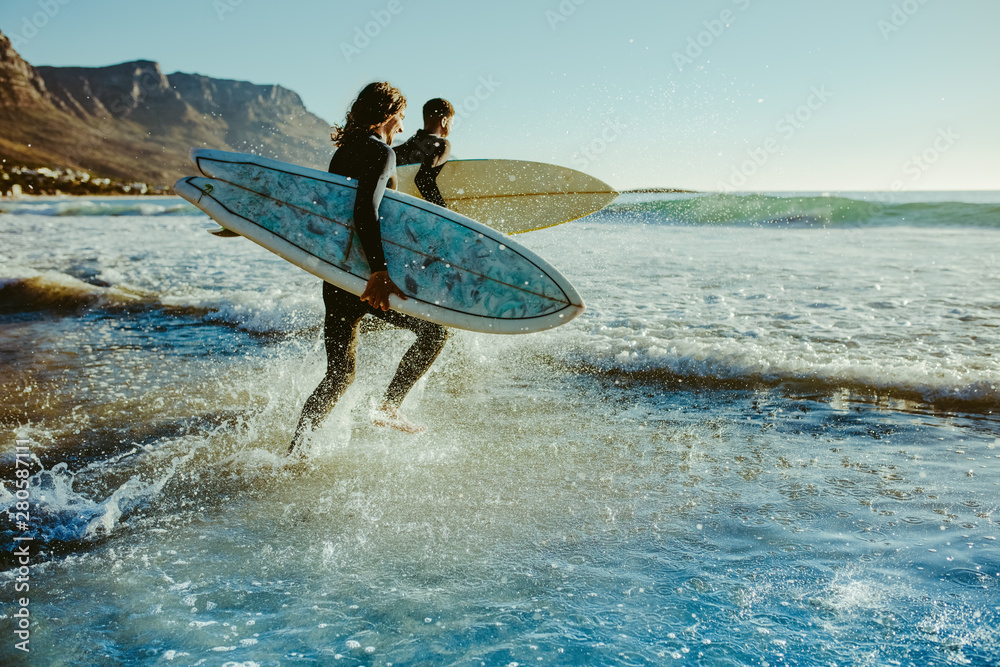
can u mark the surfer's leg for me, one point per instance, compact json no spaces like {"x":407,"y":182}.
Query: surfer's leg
{"x":430,"y":340}
{"x":418,"y":359}
{"x":340,"y":336}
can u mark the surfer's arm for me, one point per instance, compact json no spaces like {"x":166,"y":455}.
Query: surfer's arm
{"x":426,"y":182}
{"x":426,"y":179}
{"x":371,"y":188}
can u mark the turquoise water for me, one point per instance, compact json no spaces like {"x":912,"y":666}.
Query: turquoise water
{"x":764,"y":443}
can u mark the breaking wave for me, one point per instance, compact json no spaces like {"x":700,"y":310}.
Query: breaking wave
{"x":804,"y":211}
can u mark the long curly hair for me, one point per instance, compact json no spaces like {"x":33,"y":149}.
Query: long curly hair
{"x":375,"y":104}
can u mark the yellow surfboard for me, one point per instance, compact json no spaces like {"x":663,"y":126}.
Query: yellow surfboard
{"x":514,"y":196}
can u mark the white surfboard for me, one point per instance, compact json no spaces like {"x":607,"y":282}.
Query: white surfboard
{"x":454,"y":271}
{"x":514,"y":196}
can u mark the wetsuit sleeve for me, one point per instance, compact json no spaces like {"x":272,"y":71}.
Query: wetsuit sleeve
{"x":433,"y":163}
{"x":371,"y":186}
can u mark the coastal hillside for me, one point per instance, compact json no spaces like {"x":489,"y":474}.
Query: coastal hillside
{"x":132,"y":122}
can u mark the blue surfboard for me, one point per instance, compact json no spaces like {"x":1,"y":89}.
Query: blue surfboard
{"x":454,"y":270}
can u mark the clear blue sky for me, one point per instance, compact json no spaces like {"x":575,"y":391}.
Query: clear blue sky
{"x":753,"y":94}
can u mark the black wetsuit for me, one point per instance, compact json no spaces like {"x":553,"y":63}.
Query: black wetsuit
{"x":430,"y":152}
{"x":373,"y":164}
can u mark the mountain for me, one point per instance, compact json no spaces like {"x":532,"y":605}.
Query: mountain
{"x":133,"y":122}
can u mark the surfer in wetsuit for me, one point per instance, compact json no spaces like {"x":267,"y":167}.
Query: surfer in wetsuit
{"x":363,"y":153}
{"x":429,"y":148}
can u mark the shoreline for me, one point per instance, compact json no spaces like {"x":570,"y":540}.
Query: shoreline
{"x":67,"y":196}
{"x":19,"y":181}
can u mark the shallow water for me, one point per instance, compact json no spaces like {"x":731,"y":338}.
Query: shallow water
{"x":759,"y":445}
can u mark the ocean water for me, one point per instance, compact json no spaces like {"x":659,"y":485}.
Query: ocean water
{"x":772,"y":439}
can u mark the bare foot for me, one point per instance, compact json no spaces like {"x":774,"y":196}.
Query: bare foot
{"x":388,"y":415}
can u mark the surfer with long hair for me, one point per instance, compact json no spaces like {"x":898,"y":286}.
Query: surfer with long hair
{"x":364,"y":154}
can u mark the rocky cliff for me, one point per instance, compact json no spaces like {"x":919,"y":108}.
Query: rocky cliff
{"x":133,"y":122}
